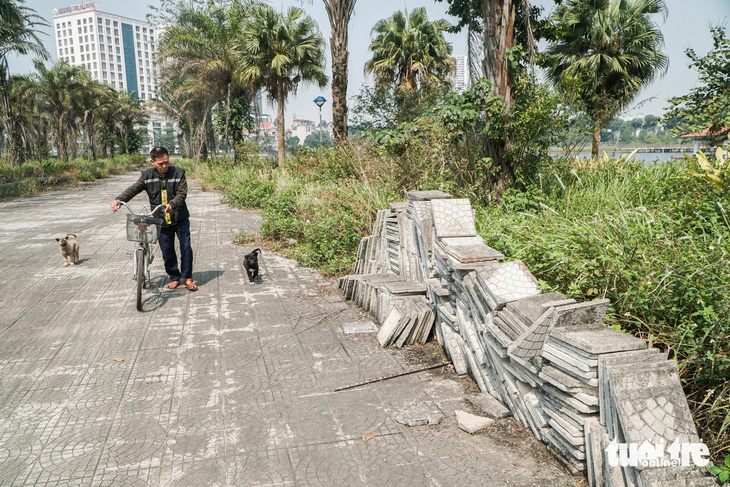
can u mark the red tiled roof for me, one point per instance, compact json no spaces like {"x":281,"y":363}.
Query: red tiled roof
{"x":706,"y":132}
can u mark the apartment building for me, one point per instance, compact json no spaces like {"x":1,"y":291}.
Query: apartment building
{"x":460,"y":75}
{"x":118,"y":51}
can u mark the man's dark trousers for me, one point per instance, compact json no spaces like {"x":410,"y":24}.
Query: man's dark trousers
{"x":167,"y":246}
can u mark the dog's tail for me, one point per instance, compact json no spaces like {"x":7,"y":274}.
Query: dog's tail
{"x":256,"y":250}
{"x":72,"y":235}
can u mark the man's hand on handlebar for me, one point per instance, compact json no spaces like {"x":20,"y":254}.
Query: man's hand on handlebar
{"x":115,"y":205}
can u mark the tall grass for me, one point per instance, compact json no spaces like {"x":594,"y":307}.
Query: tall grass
{"x":36,"y":176}
{"x":648,"y":237}
{"x":316,"y":209}
{"x":653,"y":241}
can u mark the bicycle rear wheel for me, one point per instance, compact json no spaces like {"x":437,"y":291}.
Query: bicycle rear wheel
{"x":141,"y":260}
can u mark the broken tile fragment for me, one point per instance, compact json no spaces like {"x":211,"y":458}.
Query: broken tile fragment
{"x":419,"y":415}
{"x":471,"y":423}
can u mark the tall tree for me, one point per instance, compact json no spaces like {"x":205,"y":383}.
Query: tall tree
{"x":90,"y":101}
{"x":18,"y":34}
{"x":502,"y":25}
{"x":410,"y":51}
{"x":57,"y":89}
{"x":339,"y":13}
{"x":197,"y":49}
{"x":499,"y":39}
{"x":18,"y":121}
{"x":706,"y":108}
{"x":507,"y":42}
{"x":277,"y":52}
{"x":608,"y":50}
{"x":129,"y":114}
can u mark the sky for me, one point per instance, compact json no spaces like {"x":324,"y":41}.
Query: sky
{"x":686,"y":26}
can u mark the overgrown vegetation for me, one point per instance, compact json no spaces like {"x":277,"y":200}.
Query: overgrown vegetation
{"x":651,"y":239}
{"x":37,"y":176}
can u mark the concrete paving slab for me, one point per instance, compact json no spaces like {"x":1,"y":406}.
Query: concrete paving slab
{"x":231,"y":385}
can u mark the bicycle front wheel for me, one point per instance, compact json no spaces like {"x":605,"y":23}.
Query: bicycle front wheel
{"x":141,"y":260}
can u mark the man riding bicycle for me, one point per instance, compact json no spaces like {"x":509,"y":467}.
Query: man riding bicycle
{"x":166,"y":184}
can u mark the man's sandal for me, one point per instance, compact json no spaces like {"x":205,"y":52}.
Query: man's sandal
{"x":173,"y":285}
{"x":191,"y":285}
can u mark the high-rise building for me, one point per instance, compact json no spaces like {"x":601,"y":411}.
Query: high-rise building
{"x":460,"y":76}
{"x":117,"y":51}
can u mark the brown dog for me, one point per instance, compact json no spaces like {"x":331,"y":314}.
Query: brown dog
{"x":69,"y":249}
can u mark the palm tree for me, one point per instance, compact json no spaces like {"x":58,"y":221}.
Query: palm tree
{"x":107,"y":120}
{"x":90,"y":102}
{"x":609,"y":50}
{"x":196,"y":100}
{"x":118,"y":115}
{"x":198,"y":53}
{"x":172,"y":108}
{"x":410,"y":51}
{"x":18,"y":121}
{"x":57,"y":91}
{"x":130,"y":113}
{"x":339,"y":13}
{"x":18,"y":34}
{"x":277,"y":52}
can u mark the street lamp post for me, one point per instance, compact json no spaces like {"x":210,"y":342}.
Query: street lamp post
{"x":319,"y":101}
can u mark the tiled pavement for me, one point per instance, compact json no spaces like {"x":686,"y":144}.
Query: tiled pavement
{"x":231,"y":385}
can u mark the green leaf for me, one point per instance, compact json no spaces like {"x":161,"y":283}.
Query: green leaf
{"x":714,"y":470}
{"x":727,"y":461}
{"x":724,"y":476}
{"x":703,"y":162}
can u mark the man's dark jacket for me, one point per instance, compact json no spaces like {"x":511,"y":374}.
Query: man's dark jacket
{"x":151,"y":182}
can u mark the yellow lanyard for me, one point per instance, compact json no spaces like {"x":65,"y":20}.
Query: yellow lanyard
{"x":164,"y":202}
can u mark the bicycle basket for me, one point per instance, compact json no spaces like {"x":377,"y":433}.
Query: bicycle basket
{"x":143,"y":228}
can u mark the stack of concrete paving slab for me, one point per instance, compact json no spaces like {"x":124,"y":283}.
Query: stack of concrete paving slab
{"x":577,"y":384}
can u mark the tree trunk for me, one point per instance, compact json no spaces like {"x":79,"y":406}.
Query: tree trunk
{"x":61,"y":141}
{"x":339,"y":13}
{"x":187,"y":143}
{"x":280,"y":126}
{"x":16,"y":153}
{"x":499,"y":38}
{"x":91,"y":155}
{"x":10,"y":128}
{"x":210,"y":134}
{"x":596,"y":138}
{"x":200,"y":139}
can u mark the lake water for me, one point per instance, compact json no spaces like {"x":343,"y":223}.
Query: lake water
{"x":641,"y":156}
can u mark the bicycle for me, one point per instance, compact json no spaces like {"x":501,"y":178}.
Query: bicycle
{"x":145,"y":230}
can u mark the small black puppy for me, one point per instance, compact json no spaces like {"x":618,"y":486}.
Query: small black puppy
{"x":251,"y":264}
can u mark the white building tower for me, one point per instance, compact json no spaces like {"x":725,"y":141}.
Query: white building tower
{"x":460,"y":77}
{"x":117,"y":51}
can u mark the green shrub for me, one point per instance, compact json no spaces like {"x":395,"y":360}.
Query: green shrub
{"x":652,"y":240}
{"x":280,"y":219}
{"x":21,"y":179}
{"x":252,"y":193}
{"x":85,"y":175}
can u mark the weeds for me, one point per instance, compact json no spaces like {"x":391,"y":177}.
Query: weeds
{"x":35,"y":176}
{"x":652,"y":240}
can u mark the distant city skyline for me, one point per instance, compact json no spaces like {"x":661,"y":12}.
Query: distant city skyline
{"x":686,"y":26}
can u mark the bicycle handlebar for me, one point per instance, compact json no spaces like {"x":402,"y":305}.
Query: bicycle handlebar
{"x":140,"y":214}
